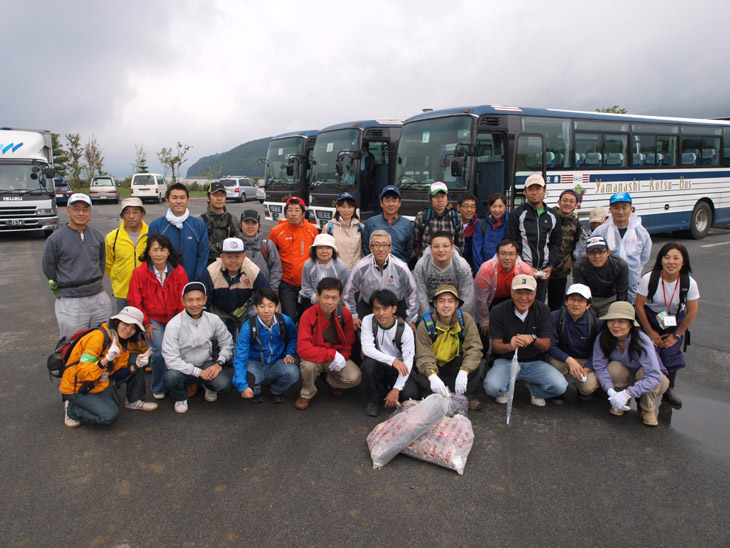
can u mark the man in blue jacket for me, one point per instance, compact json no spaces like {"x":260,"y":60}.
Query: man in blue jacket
{"x":189,"y":235}
{"x":399,"y":228}
{"x":266,"y":351}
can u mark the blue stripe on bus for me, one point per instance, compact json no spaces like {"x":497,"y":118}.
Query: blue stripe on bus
{"x":644,"y":176}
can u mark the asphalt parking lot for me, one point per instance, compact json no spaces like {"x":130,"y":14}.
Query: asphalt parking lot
{"x":233,"y":473}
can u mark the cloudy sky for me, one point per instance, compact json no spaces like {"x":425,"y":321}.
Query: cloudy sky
{"x":215,"y":74}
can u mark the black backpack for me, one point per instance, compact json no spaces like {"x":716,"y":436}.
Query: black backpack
{"x":683,"y":286}
{"x":253,"y":325}
{"x":398,"y":334}
{"x":592,"y":325}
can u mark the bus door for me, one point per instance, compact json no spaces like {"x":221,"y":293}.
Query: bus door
{"x":528,"y":157}
{"x":489,"y":172}
{"x":372,"y":184}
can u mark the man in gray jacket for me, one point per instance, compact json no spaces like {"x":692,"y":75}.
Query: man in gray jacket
{"x":188,"y":349}
{"x":439,"y":265}
{"x":260,"y":249}
{"x":74,"y":261}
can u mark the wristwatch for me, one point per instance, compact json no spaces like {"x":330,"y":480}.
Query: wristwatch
{"x":534,"y":337}
{"x":676,"y":336}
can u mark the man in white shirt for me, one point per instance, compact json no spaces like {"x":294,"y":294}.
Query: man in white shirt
{"x":388,"y":348}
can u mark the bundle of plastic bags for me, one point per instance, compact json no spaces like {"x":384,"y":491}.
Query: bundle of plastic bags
{"x":434,"y":430}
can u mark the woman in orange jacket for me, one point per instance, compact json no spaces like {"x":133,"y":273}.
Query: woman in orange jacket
{"x":99,"y":357}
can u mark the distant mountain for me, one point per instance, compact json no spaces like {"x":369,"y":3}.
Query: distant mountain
{"x":237,"y":161}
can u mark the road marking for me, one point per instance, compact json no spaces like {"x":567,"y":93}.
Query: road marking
{"x":713,"y":245}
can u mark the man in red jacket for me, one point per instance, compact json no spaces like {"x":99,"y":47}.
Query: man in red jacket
{"x":324,"y":343}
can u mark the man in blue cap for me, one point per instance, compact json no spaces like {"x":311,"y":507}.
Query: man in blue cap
{"x":626,"y":238}
{"x":399,"y":228}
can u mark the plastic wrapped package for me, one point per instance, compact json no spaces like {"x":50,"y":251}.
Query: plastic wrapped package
{"x":447,"y":443}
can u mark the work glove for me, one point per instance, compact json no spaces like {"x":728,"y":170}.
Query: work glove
{"x":619,"y":399}
{"x":142,"y":361}
{"x":438,"y":386}
{"x":113,"y":351}
{"x":460,"y":385}
{"x":338,"y":363}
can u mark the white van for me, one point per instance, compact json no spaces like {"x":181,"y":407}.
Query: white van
{"x":149,"y":186}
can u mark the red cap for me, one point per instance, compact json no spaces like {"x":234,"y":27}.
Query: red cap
{"x":296,"y":200}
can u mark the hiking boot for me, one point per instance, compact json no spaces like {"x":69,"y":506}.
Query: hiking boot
{"x":336,"y":392}
{"x":649,"y":418}
{"x":158,"y":396}
{"x":301,"y":403}
{"x":277,"y":398}
{"x":211,"y":395}
{"x":68,"y":421}
{"x":671,"y":397}
{"x":181,"y":406}
{"x":141,"y":405}
{"x":502,"y":399}
{"x":372,"y":409}
{"x":537,"y":402}
{"x":475,"y":405}
{"x":557,"y":400}
{"x":617,"y":412}
{"x":257,"y":398}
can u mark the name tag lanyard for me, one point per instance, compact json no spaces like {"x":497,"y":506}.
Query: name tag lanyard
{"x":665,"y":318}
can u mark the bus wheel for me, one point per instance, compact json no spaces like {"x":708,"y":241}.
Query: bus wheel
{"x":701,"y":221}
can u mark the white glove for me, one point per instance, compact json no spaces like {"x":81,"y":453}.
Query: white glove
{"x":619,"y":399}
{"x":113,"y":352}
{"x":460,"y":385}
{"x":338,"y":363}
{"x":142,"y":360}
{"x":438,"y":386}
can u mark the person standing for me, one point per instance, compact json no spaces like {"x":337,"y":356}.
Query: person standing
{"x":124,"y":248}
{"x":219,"y":222}
{"x":572,"y":231}
{"x":439,"y":216}
{"x":537,"y":229}
{"x":346,"y":228}
{"x":293,"y":238}
{"x":607,"y":276}
{"x":74,"y":260}
{"x":259,"y":248}
{"x":399,"y":228}
{"x":367,"y":176}
{"x":491,"y":230}
{"x":188,"y":235}
{"x":467,"y":208}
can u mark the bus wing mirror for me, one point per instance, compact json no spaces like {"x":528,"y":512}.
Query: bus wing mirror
{"x":455,"y":168}
{"x":289,"y":170}
{"x":50,"y":173}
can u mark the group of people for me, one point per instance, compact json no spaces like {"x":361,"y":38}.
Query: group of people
{"x":405,"y":308}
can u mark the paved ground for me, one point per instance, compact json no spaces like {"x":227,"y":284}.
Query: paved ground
{"x":239,"y":474}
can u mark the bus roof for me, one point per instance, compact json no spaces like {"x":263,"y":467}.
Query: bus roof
{"x":305,"y":133}
{"x":365,"y":124}
{"x":560,"y":113}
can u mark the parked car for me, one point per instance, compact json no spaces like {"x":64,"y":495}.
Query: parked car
{"x":240,"y":189}
{"x":63,"y":190}
{"x":261,"y":194}
{"x":103,"y":189}
{"x":148,"y":187}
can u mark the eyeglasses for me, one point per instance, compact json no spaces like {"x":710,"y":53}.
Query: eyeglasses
{"x":78,"y":209}
{"x":507,"y":253}
{"x":380,"y":246}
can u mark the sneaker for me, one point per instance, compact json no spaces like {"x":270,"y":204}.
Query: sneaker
{"x":181,"y":406}
{"x":502,"y":399}
{"x":68,"y":421}
{"x":257,"y":398}
{"x":158,"y":396}
{"x":211,"y":395}
{"x":372,"y":409}
{"x":141,"y":405}
{"x":277,"y":398}
{"x":537,"y":402}
{"x":476,"y":405}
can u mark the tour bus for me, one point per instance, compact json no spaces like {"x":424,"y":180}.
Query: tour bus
{"x":27,"y":192}
{"x":337,"y":161}
{"x":677,"y":170}
{"x":288,"y":163}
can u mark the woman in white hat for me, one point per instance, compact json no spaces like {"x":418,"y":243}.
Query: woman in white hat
{"x":323,"y":262}
{"x":100,"y":356}
{"x":626,"y":364}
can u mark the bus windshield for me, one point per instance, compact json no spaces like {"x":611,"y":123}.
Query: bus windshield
{"x":14,"y":178}
{"x":278,"y":157}
{"x":427,"y":148}
{"x":342,"y":144}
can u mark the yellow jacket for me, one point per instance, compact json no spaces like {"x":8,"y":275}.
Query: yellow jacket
{"x":122,"y":257}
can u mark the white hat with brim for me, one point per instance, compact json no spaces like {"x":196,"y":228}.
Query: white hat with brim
{"x":621,"y":310}
{"x":579,"y":289}
{"x":324,"y":240}
{"x":131,"y":315}
{"x":131,"y":202}
{"x":78,"y":197}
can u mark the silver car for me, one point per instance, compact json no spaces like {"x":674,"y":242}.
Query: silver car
{"x":103,"y":189}
{"x":240,"y":189}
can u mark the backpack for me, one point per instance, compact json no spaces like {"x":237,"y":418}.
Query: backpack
{"x":398,"y":334}
{"x":431,"y":325}
{"x":592,"y":325}
{"x":455,"y":218}
{"x":338,"y":315}
{"x":264,"y":248}
{"x":253,"y":325}
{"x":57,"y":362}
{"x":683,"y":286}
{"x":331,"y":227}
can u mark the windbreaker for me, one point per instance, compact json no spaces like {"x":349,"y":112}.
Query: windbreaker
{"x":293,"y":243}
{"x":484,"y":246}
{"x":311,"y":345}
{"x":191,"y":242}
{"x":539,"y":238}
{"x":157,"y":302}
{"x":485,"y":285}
{"x":188,"y":343}
{"x":269,"y":263}
{"x":428,"y":277}
{"x":348,"y":240}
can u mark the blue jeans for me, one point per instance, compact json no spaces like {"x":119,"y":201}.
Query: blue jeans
{"x":177,"y":382}
{"x":545,"y":381}
{"x":157,"y":362}
{"x":280,"y":374}
{"x":121,"y":303}
{"x":99,"y":408}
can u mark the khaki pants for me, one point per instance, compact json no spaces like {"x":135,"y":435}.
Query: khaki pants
{"x":585,"y":388}
{"x":349,"y":377}
{"x":622,"y":378}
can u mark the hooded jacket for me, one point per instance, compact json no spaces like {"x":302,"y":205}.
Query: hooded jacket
{"x":470,"y":347}
{"x":226,"y":293}
{"x":348,"y":240}
{"x":485,"y":285}
{"x":191,"y":242}
{"x":122,"y":257}
{"x":313,"y":272}
{"x":484,"y":246}
{"x":157,"y":302}
{"x":293,"y":243}
{"x":428,"y":277}
{"x":270,"y":266}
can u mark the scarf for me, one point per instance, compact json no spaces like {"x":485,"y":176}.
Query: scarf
{"x":177,"y":221}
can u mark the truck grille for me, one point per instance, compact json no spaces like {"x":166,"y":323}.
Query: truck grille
{"x":14,"y":212}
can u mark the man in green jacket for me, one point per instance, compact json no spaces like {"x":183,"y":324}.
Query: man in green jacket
{"x":221,"y":224}
{"x":448,"y":348}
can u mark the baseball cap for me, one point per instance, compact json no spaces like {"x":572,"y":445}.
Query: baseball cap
{"x":598,"y":214}
{"x":437,"y":187}
{"x":596,"y":242}
{"x":295,"y":200}
{"x":194,"y":286}
{"x":131,"y":202}
{"x":534,"y":179}
{"x":523,"y":281}
{"x":216,"y":186}
{"x":390,"y":188}
{"x":232,"y":245}
{"x":324,"y":240}
{"x":447,"y":288}
{"x":620,"y":197}
{"x":79,"y":197}
{"x":621,"y":310}
{"x":250,"y":214}
{"x":131,"y":315}
{"x":580,"y":289}
{"x":346,"y":196}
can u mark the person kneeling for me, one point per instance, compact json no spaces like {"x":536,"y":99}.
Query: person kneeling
{"x":271,"y":338}
{"x":324,"y":343}
{"x":622,"y":355}
{"x":448,"y":348}
{"x":101,"y":356}
{"x":388,"y":346}
{"x":188,"y":349}
{"x":522,"y":324}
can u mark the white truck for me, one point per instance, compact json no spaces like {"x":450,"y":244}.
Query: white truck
{"x":27,"y":192}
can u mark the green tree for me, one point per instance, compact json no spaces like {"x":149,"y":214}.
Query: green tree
{"x":140,"y":160}
{"x":60,"y":156}
{"x":93,"y":159}
{"x":174,"y":159}
{"x":164,"y":156}
{"x":615,"y":109}
{"x":75,"y":154}
{"x":213,"y":172}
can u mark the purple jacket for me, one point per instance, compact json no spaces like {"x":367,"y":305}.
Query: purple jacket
{"x":648,"y":360}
